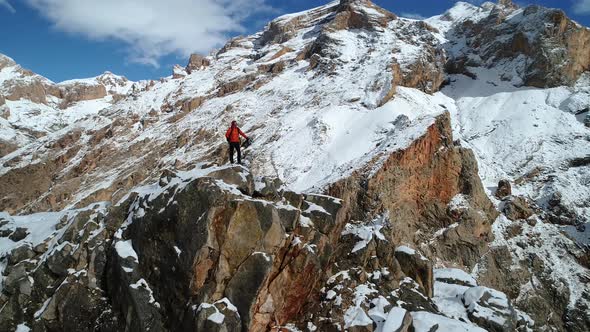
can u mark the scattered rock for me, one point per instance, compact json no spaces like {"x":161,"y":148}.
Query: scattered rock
{"x":579,"y":162}
{"x":504,"y":189}
{"x":490,"y":309}
{"x":20,"y":253}
{"x":513,"y":230}
{"x":19,"y":234}
{"x":517,"y":208}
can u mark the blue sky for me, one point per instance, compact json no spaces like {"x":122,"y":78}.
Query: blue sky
{"x":142,"y":39}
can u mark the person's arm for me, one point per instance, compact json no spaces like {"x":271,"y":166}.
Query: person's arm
{"x":227,"y":133}
{"x":241,"y":133}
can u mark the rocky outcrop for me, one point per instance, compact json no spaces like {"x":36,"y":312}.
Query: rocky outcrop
{"x":517,"y":208}
{"x":415,"y":186}
{"x":542,"y":55}
{"x":214,"y":244}
{"x":196,"y":62}
{"x":360,"y":14}
{"x":504,"y":189}
{"x":76,"y":92}
{"x":23,"y":83}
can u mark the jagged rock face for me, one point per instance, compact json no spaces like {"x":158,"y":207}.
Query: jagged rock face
{"x":196,"y":62}
{"x":541,"y":55}
{"x":114,"y":84}
{"x":137,"y":265}
{"x":76,"y":92}
{"x":245,"y":249}
{"x":360,"y":14}
{"x":25,"y":84}
{"x":415,"y":186}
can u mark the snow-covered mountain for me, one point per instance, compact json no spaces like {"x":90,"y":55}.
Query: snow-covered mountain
{"x":32,"y":106}
{"x":408,"y":126}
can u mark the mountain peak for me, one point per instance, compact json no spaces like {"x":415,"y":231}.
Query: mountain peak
{"x":6,"y":61}
{"x":507,"y":4}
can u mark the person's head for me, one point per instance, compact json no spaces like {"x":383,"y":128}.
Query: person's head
{"x":234,"y":123}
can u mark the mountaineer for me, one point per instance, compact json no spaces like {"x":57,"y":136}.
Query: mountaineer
{"x":233,"y":138}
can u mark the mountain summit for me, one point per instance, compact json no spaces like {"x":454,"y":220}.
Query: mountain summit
{"x":405,"y":175}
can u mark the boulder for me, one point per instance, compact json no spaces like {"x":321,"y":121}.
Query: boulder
{"x":196,"y":62}
{"x":20,"y":253}
{"x":268,"y":188}
{"x":221,"y":316}
{"x":19,"y":234}
{"x":490,"y":309}
{"x":236,"y":175}
{"x":504,"y":189}
{"x":417,"y":267}
{"x":517,"y":208}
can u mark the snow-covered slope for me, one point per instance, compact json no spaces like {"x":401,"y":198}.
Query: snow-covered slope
{"x":325,"y":93}
{"x":31,"y":106}
{"x":307,"y":116}
{"x":527,"y":135}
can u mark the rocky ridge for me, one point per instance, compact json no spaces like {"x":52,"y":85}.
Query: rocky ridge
{"x":405,"y":214}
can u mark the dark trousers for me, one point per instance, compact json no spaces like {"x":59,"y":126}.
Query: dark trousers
{"x":236,"y":146}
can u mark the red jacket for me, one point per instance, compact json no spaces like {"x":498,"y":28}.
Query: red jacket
{"x":233,"y":134}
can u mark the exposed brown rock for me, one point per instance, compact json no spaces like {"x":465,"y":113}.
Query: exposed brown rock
{"x":33,"y":91}
{"x":277,"y":55}
{"x":196,"y":62}
{"x":6,"y":147}
{"x":80,"y":92}
{"x":235,"y":85}
{"x":517,"y":208}
{"x":280,"y":31}
{"x":504,"y":189}
{"x":351,"y":14}
{"x":418,"y":268}
{"x":558,"y":55}
{"x":415,"y":185}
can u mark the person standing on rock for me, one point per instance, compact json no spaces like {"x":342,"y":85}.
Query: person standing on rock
{"x":233,"y":138}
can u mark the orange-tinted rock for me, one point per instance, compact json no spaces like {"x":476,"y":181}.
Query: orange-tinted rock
{"x":79,"y":92}
{"x":196,"y":62}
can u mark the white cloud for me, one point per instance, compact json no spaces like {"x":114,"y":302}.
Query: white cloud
{"x":413,"y":16}
{"x":7,"y":6}
{"x":152,"y":28}
{"x":582,"y":7}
